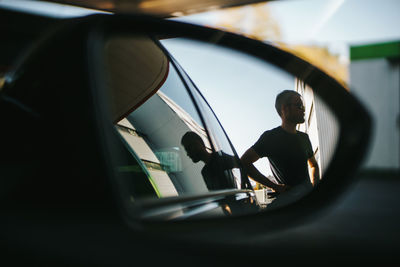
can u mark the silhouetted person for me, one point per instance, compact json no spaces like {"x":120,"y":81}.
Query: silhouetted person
{"x":215,"y":172}
{"x":287,"y":149}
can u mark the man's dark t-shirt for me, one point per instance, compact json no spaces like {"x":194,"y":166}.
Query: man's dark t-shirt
{"x":216,"y":172}
{"x":287,"y":153}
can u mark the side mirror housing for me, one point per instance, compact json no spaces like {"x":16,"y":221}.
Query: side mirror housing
{"x":65,"y":82}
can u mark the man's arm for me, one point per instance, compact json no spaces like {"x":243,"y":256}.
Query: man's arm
{"x":312,"y":162}
{"x":248,"y":158}
{"x":228,"y":161}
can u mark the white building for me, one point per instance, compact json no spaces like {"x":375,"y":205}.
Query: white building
{"x":320,"y":125}
{"x":375,"y":80}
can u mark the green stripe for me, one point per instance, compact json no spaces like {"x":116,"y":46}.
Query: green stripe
{"x":142,"y":166}
{"x":141,"y":169}
{"x":382,"y":50}
{"x":153,"y":183}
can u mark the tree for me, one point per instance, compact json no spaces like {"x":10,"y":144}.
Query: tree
{"x":255,"y":21}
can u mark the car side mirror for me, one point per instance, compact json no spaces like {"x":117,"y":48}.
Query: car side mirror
{"x":164,"y":152}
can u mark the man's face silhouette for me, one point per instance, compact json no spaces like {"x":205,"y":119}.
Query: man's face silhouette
{"x":194,"y":149}
{"x":294,"y":110}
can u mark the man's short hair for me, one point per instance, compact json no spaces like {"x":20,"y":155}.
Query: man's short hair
{"x":190,"y":137}
{"x":283,"y":98}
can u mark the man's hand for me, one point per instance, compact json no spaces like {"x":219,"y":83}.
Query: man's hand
{"x":248,"y":158}
{"x":315,"y":178}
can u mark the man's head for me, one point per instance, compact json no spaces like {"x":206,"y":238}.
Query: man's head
{"x":194,"y":146}
{"x":290,"y":107}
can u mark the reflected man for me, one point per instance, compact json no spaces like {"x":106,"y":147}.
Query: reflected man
{"x":287,"y":149}
{"x":215,"y":172}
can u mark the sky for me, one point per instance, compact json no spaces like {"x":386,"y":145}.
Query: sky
{"x":47,"y":8}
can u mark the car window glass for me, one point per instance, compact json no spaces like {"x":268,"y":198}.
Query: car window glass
{"x":153,"y":132}
{"x":218,"y":136}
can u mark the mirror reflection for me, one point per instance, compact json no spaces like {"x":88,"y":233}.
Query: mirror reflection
{"x":183,"y":165}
